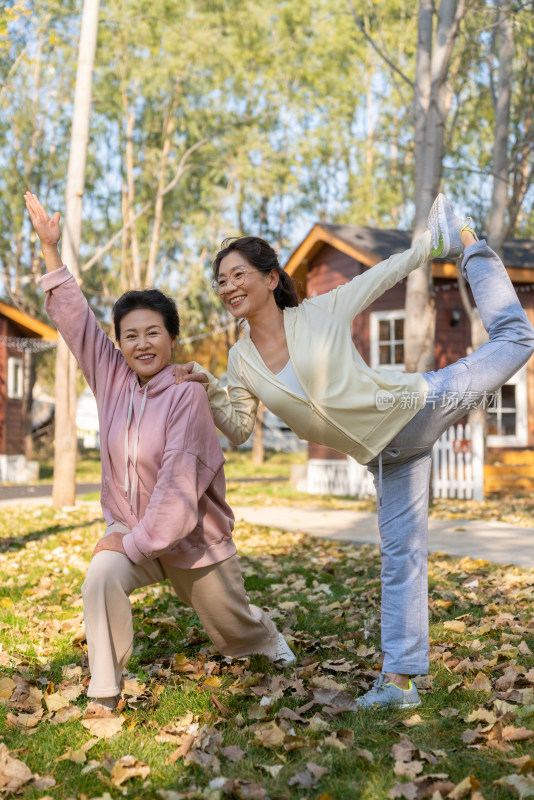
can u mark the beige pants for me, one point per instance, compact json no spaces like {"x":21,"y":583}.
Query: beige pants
{"x":217,"y":594}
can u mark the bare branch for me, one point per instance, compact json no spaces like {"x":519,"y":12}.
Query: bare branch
{"x":382,"y":55}
{"x":182,"y":168}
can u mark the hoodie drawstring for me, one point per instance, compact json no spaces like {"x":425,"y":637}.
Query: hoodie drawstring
{"x":127,"y":486}
{"x":395,"y":453}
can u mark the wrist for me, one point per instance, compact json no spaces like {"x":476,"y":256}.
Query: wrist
{"x":49,"y":249}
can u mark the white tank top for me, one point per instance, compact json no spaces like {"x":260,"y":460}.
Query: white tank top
{"x":287,"y":376}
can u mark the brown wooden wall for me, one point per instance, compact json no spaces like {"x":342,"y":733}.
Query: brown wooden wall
{"x":330,"y":267}
{"x":11,"y":411}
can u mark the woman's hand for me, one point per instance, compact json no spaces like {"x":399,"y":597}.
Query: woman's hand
{"x":46,"y":229}
{"x":113,"y":541}
{"x":184,"y":373}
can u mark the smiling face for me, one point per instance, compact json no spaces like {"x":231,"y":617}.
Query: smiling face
{"x":145,"y":343}
{"x":254,"y":293}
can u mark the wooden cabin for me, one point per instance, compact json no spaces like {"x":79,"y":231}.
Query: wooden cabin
{"x":20,"y":336}
{"x":333,"y":254}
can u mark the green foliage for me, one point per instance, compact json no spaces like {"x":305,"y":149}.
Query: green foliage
{"x":294,"y":115}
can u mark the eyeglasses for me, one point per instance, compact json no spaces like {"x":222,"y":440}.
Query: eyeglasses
{"x":236,"y":277}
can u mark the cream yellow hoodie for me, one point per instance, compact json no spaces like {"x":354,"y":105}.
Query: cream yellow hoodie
{"x":350,"y":407}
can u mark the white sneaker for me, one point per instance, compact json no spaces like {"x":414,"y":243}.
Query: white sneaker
{"x":446,"y":228}
{"x":284,"y":656}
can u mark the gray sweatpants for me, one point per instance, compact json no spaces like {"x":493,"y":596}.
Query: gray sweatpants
{"x":402,"y":471}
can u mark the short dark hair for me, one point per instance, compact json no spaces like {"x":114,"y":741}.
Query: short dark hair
{"x":262,"y":257}
{"x":152,"y":299}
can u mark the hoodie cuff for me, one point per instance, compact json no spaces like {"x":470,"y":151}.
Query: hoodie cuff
{"x":131,"y":549}
{"x":51,"y":280}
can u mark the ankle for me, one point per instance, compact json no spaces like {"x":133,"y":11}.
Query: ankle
{"x":467,"y":238}
{"x":401,"y":681}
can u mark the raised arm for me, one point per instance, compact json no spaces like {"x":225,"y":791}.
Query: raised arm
{"x":353,"y":297}
{"x":67,"y":306}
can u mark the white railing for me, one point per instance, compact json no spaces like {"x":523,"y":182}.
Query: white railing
{"x":457,"y":469}
{"x":458,"y":463}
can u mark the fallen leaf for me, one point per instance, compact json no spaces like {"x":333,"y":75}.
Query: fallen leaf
{"x":102,"y":722}
{"x":404,"y":749}
{"x":66,"y":714}
{"x":233,"y":752}
{"x":410,"y":722}
{"x":455,"y":625}
{"x":466,"y":786}
{"x":55,"y":701}
{"x":126,"y":768}
{"x":408,"y":791}
{"x":408,"y":769}
{"x":6,"y":688}
{"x":511,"y":734}
{"x":270,"y":736}
{"x":13,"y":772}
{"x":22,"y":721}
{"x":132,"y":688}
{"x":523,"y":784}
{"x":449,"y":712}
{"x":324,"y":682}
{"x":507,"y":680}
{"x":424,"y":681}
{"x":482,"y":715}
{"x":43,"y":783}
{"x":343,"y":739}
{"x":524,"y":763}
{"x":244,"y":790}
{"x":273,"y":771}
{"x":481,"y":683}
{"x":339,"y":700}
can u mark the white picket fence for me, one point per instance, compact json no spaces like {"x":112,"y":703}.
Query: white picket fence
{"x":458,"y":463}
{"x":457,"y":469}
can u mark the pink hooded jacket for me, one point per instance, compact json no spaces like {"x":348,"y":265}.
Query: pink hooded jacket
{"x":162,"y":464}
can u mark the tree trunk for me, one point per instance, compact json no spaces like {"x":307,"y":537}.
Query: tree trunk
{"x":257,"y":444}
{"x":168,"y":126}
{"x":431,"y":107}
{"x":130,"y":197}
{"x":499,"y":198}
{"x":65,"y":445}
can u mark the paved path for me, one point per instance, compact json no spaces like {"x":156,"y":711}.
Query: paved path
{"x":493,"y":541}
{"x":41,"y":491}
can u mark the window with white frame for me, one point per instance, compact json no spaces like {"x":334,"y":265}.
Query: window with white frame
{"x":387,"y":339}
{"x":15,"y":378}
{"x":507,"y":415}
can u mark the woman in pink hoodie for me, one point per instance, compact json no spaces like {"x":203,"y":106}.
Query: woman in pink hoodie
{"x":163,"y":485}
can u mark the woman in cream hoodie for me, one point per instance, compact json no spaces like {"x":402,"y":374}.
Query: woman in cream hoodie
{"x":300,"y":360}
{"x":163,"y":486}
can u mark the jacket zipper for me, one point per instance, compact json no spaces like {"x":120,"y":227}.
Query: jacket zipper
{"x":273,"y":379}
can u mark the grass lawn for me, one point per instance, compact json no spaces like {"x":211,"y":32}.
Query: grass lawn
{"x":513,"y":510}
{"x":198,"y":726}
